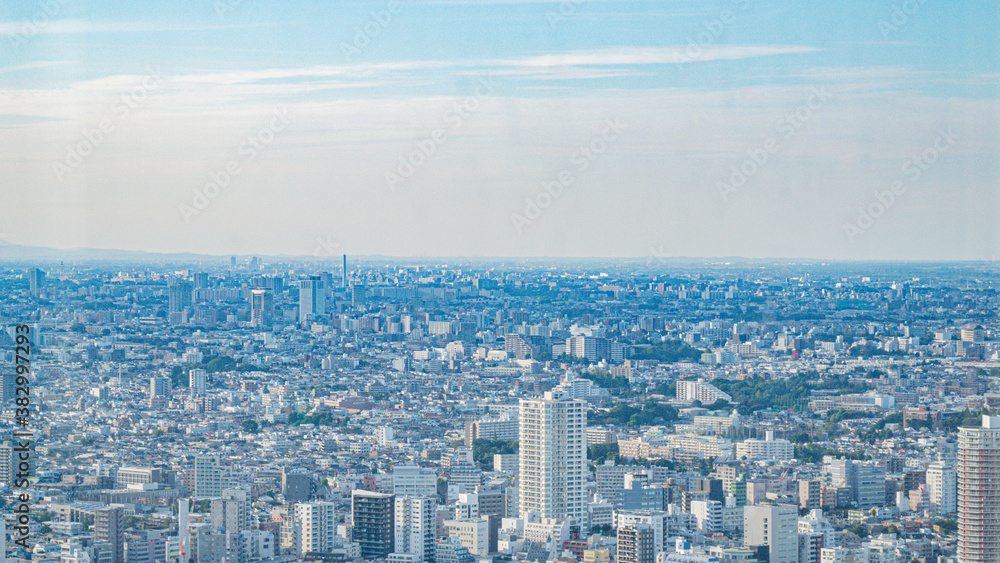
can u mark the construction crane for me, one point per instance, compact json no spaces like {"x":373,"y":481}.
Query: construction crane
{"x":785,"y":474}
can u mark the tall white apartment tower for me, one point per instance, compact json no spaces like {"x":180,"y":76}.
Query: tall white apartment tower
{"x":316,"y":526}
{"x":210,"y":477}
{"x":197,"y":381}
{"x":978,"y":492}
{"x":942,"y":487}
{"x":553,"y":456}
{"x":415,"y":525}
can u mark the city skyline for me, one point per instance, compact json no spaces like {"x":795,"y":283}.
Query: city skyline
{"x":532,"y":128}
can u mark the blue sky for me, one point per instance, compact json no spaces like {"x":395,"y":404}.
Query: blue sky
{"x":540,"y":80}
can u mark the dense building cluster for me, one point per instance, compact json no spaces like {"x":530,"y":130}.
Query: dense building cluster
{"x":263,"y":410}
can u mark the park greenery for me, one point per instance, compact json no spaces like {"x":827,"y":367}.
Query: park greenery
{"x":483,"y":451}
{"x":648,"y":413}
{"x":755,"y":394}
{"x":667,"y":352}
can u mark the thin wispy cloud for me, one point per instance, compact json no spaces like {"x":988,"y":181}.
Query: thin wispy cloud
{"x":77,"y":26}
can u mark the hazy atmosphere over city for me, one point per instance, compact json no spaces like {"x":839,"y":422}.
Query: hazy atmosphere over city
{"x":500,"y":281}
{"x":750,"y":128}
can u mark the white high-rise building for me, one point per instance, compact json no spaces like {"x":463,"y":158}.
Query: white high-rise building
{"x":553,"y":457}
{"x":315,"y":527}
{"x":415,"y":525}
{"x":978,"y":492}
{"x":769,"y":449}
{"x":709,"y":515}
{"x":776,"y":526}
{"x":414,"y":481}
{"x":942,"y":487}
{"x":690,"y":391}
{"x":210,"y":478}
{"x":197,"y":380}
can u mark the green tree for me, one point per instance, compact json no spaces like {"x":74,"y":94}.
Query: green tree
{"x":598,"y":453}
{"x":483,"y":451}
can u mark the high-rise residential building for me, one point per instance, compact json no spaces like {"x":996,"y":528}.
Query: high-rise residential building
{"x":691,"y":391}
{"x":635,"y":544}
{"x":8,"y":465}
{"x":774,"y":526}
{"x":503,"y":428}
{"x":230,"y":512}
{"x":200,"y":280}
{"x":197,"y":381}
{"x":657,"y":520}
{"x":942,"y":487}
{"x":109,"y":527}
{"x":414,"y":481}
{"x":210,"y":478}
{"x":978,"y":473}
{"x":373,"y":515}
{"x":415,"y":525}
{"x":261,"y":307}
{"x":179,"y":296}
{"x":864,"y":480}
{"x":36,"y":281}
{"x":768,"y":449}
{"x":810,"y":494}
{"x":869,"y":489}
{"x":709,"y":515}
{"x":553,"y":457}
{"x":316,"y":527}
{"x":312,"y":298}
{"x":159,"y":386}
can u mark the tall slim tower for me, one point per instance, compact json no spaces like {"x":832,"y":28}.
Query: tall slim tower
{"x":978,"y":492}
{"x":415,"y":527}
{"x":109,"y":527}
{"x":317,"y":526}
{"x":553,"y":456}
{"x":344,"y":281}
{"x":36,"y":280}
{"x":197,"y":381}
{"x":373,"y":516}
{"x":942,"y":482}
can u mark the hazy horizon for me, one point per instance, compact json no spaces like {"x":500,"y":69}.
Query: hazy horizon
{"x":514,"y":128}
